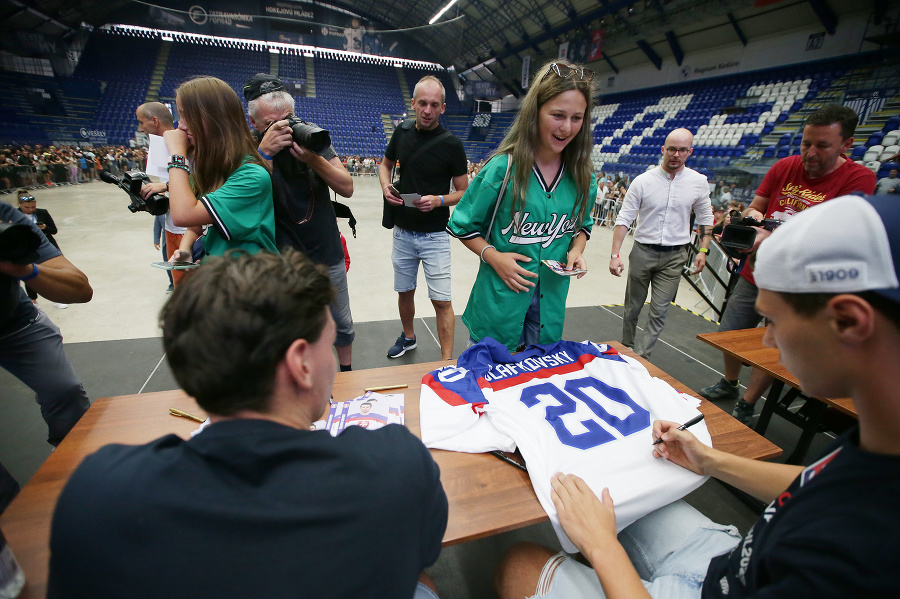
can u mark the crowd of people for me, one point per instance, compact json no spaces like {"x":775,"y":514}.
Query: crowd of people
{"x":251,"y":334}
{"x":33,"y":166}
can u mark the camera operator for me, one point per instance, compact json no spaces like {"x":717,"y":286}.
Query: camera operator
{"x":155,"y":119}
{"x":31,"y":345}
{"x":821,"y":172}
{"x":304,"y":215}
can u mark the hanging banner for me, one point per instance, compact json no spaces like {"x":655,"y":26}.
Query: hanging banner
{"x":526,"y":67}
{"x":596,"y":45}
{"x":563,"y":51}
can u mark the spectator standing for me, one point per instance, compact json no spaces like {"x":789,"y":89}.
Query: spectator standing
{"x":662,"y":200}
{"x":544,"y":212}
{"x":302,"y":180}
{"x":821,"y":172}
{"x":430,"y":158}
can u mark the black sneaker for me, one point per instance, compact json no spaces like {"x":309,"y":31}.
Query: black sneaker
{"x":722,"y":390}
{"x":401,"y":346}
{"x":743,"y":412}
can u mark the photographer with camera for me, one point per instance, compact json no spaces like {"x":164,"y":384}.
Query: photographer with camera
{"x":305,"y":168}
{"x":155,"y":119}
{"x":821,"y":172}
{"x":30,"y":344}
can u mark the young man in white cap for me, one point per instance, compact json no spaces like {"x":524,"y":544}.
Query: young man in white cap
{"x":830,"y":293}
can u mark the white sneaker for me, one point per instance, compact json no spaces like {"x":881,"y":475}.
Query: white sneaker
{"x":61,"y":306}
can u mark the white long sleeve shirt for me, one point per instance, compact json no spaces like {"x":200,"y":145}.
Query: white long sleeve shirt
{"x":663,"y":204}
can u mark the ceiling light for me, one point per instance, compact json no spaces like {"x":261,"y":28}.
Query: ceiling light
{"x":441,"y":12}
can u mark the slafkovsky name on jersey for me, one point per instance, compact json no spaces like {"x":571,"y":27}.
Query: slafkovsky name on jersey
{"x":499,"y":372}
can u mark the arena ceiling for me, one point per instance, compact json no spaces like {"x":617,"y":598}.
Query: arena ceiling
{"x":487,"y":39}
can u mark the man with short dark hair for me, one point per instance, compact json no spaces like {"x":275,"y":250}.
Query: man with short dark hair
{"x":662,"y":200}
{"x":302,"y":179}
{"x":256,"y":504}
{"x":828,"y":285}
{"x":429,"y":157}
{"x":793,"y":184}
{"x":31,"y":345}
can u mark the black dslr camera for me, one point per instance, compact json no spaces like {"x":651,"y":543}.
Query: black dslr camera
{"x":740,"y":234}
{"x":131,"y":182}
{"x":18,"y":243}
{"x":308,"y":136}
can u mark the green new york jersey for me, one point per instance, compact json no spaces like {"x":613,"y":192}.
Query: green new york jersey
{"x":547,"y":227}
{"x":243,"y":213}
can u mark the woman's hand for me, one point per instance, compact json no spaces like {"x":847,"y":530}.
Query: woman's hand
{"x":177,"y":142}
{"x":181,"y":256}
{"x":506,"y":265}
{"x":575,"y":260}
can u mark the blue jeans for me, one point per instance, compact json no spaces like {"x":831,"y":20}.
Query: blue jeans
{"x":433,"y":251}
{"x":340,"y":307}
{"x":670,"y":548}
{"x":34,"y":355}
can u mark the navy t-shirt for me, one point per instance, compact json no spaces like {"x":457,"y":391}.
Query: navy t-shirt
{"x":250,"y":508}
{"x":834,"y":532}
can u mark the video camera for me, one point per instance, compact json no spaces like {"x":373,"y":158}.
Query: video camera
{"x":18,"y":243}
{"x":308,"y":136}
{"x":740,"y":232}
{"x":131,"y":182}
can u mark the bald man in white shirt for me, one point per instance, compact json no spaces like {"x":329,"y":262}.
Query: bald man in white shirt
{"x":662,"y":200}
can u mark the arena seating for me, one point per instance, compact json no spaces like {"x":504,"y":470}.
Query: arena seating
{"x":749,"y":116}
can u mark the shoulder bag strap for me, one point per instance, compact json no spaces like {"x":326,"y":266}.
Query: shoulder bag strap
{"x":499,"y":197}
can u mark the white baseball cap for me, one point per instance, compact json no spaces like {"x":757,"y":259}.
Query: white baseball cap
{"x":845,"y":245}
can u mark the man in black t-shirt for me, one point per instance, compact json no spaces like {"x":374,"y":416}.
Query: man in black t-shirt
{"x":301,"y":183}
{"x":429,"y":158}
{"x":256,"y":502}
{"x":829,"y":289}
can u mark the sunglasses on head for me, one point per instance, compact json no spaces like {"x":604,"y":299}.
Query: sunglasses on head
{"x":25,"y":199}
{"x":564,"y":71}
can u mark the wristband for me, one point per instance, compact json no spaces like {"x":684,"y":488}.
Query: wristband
{"x":263,"y":154}
{"x":482,"y":252}
{"x":172,"y":165}
{"x":167,"y":183}
{"x":442,"y":200}
{"x":704,"y":250}
{"x":614,"y":256}
{"x":31,"y":275}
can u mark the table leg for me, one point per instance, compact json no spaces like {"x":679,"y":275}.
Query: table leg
{"x":769,"y":406}
{"x":811,"y":412}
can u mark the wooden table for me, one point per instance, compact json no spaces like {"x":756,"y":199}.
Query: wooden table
{"x":747,"y":346}
{"x":486,"y":495}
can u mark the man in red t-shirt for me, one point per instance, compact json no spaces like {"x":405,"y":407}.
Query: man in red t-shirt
{"x":821,"y":172}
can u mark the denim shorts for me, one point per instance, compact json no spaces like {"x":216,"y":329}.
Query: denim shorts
{"x":423,"y":592}
{"x":433,"y":251}
{"x":670,"y":548}
{"x":740,"y":313}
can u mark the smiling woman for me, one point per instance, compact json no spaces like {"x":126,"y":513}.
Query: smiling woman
{"x":544,"y":214}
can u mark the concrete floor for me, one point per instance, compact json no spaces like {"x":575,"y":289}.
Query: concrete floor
{"x":113,"y":341}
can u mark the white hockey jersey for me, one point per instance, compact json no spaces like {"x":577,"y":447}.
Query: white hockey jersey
{"x":577,"y":408}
